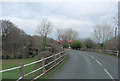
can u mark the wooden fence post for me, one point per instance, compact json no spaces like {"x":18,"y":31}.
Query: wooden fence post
{"x":64,"y":54}
{"x":117,"y":53}
{"x":43,"y":64}
{"x":60,"y":56}
{"x":22,"y":70}
{"x":55,"y":59}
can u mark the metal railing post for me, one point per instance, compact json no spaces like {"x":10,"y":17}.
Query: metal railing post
{"x":43,"y":64}
{"x":22,"y":70}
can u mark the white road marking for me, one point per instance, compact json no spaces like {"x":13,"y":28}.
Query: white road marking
{"x":104,"y":69}
{"x":98,"y":62}
{"x":109,"y":74}
{"x":92,"y":57}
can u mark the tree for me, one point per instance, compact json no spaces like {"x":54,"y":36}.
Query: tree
{"x":43,"y":29}
{"x":89,"y":43}
{"x":65,"y":35}
{"x":13,"y":39}
{"x":10,"y":36}
{"x":102,"y":32}
{"x":76,"y":44}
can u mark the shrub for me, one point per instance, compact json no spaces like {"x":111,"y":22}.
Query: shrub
{"x":76,"y":44}
{"x":89,"y":43}
{"x":7,"y":56}
{"x":20,"y":56}
{"x":101,"y":45}
{"x":65,"y":44}
{"x":14,"y":57}
{"x":1,"y":56}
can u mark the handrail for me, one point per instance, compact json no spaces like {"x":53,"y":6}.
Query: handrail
{"x":1,"y":71}
{"x":42,"y":67}
{"x":10,"y":69}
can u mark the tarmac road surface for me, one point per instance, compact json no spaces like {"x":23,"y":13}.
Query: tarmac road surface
{"x":88,"y":65}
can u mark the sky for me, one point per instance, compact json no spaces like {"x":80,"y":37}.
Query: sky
{"x":81,"y":16}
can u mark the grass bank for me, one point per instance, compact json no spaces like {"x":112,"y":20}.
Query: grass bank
{"x":104,"y":54}
{"x":14,"y":74}
{"x":51,"y":73}
{"x":10,"y":63}
{"x":107,"y":55}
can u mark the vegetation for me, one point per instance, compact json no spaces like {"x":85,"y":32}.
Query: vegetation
{"x":10,"y":63}
{"x":102,"y":32}
{"x":14,"y":40}
{"x":102,"y":38}
{"x":14,"y":74}
{"x":65,"y":35}
{"x":89,"y":43}
{"x":76,"y":44}
{"x":16,"y":44}
{"x":65,"y":44}
{"x":52,"y":72}
{"x":43,"y":29}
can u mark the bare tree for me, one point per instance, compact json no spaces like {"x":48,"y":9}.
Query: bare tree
{"x":43,"y":29}
{"x":13,"y":38}
{"x":59,"y":33}
{"x":89,"y":43}
{"x":97,"y":33}
{"x":102,"y":32}
{"x":66,"y":34}
{"x":71,"y":34}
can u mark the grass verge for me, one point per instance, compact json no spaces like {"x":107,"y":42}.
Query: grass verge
{"x":10,"y":63}
{"x":107,"y":55}
{"x":51,"y":73}
{"x":104,"y":54}
{"x":14,"y":74}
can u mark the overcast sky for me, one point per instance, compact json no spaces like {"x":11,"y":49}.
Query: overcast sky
{"x":81,"y":16}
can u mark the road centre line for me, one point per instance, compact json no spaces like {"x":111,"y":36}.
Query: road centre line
{"x":92,"y":57}
{"x":104,"y":69}
{"x":109,"y":74}
{"x":98,"y":62}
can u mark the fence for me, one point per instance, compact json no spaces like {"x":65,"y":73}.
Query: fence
{"x":59,"y":56}
{"x":111,"y":52}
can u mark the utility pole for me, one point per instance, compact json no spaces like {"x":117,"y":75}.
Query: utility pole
{"x":116,"y":40}
{"x":116,"y":37}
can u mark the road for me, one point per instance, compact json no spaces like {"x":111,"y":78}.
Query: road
{"x":88,"y":65}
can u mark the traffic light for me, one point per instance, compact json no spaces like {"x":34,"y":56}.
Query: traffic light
{"x":69,"y":41}
{"x":59,"y":42}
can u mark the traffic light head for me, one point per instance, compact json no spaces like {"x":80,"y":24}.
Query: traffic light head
{"x":59,"y":41}
{"x":69,"y":41}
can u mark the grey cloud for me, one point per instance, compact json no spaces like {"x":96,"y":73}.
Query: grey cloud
{"x":81,"y":16}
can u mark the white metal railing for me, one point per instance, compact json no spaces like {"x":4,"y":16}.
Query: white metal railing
{"x":21,"y":67}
